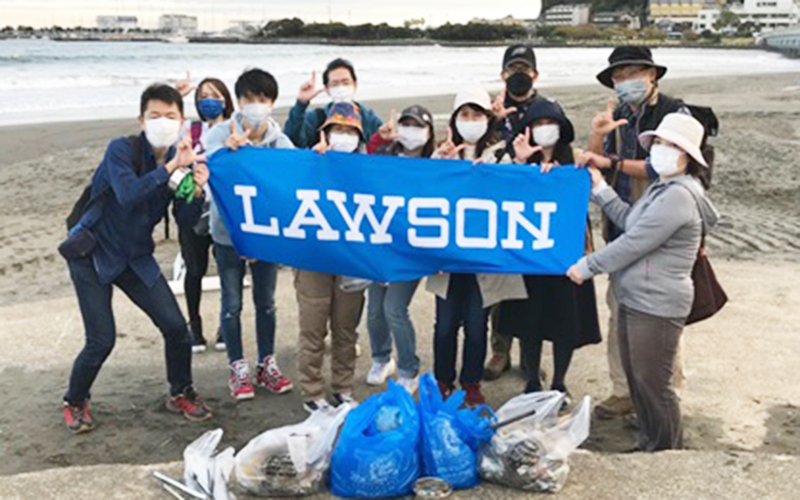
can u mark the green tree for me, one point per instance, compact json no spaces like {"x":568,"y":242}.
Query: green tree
{"x":727,"y":19}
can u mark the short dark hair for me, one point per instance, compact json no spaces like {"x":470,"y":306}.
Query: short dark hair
{"x":336,"y":64}
{"x":160,"y":92}
{"x":226,"y":96}
{"x":256,"y":82}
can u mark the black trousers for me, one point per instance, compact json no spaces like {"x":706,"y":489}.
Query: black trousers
{"x":194,"y":249}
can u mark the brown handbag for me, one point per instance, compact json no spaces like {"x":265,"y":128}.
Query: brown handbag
{"x":709,"y":297}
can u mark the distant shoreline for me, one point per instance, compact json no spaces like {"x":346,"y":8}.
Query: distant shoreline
{"x":423,"y":42}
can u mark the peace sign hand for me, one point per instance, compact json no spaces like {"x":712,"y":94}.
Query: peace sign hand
{"x":184,"y":86}
{"x":322,"y":146}
{"x":236,"y":140}
{"x":522,"y":147}
{"x":499,"y":106}
{"x":448,"y":149}
{"x":388,"y":130}
{"x":309,"y":90}
{"x":604,"y":122}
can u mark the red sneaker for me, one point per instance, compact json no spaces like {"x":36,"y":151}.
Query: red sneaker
{"x":190,"y":405}
{"x":269,"y":376}
{"x":239,"y":381}
{"x":474,"y":396}
{"x":445,"y":389}
{"x":78,"y":418}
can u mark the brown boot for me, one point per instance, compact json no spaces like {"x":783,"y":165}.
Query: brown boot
{"x":614,"y":407}
{"x":496,"y":367}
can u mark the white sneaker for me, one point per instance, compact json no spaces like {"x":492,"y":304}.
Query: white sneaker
{"x":341,"y":398}
{"x":316,"y":405}
{"x":409,"y":384}
{"x":380,"y":372}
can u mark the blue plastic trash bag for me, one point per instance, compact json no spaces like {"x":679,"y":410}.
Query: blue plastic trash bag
{"x":451,"y":436}
{"x":377,"y":454}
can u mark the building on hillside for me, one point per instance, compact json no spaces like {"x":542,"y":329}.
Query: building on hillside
{"x":506,"y":21}
{"x":124,"y":23}
{"x":765,"y":15}
{"x":177,"y":23}
{"x":568,"y":15}
{"x":670,"y":12}
{"x":616,"y":20}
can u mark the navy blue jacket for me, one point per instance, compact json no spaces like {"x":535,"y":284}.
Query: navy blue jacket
{"x":130,"y":206}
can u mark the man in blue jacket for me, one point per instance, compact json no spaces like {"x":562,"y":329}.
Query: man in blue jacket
{"x":302,"y":126}
{"x":129,"y":193}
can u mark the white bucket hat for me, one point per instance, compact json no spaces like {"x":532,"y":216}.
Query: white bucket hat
{"x":681,"y":130}
{"x":473,"y":95}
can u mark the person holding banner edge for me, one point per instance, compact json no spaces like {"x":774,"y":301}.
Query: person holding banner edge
{"x":253,"y":126}
{"x":410,"y":135}
{"x":651,"y":269}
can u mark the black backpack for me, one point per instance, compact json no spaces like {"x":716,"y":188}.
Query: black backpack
{"x":80,"y":207}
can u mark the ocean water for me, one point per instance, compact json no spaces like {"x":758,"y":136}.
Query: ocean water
{"x":43,"y":81}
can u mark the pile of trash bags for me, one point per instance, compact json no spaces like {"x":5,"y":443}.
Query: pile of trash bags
{"x":382,"y":447}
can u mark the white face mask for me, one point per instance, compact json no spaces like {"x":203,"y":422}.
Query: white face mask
{"x":472,"y":131}
{"x":412,"y":137}
{"x":162,"y":132}
{"x":343,"y":143}
{"x":547,"y":135}
{"x":342,"y":93}
{"x":664,"y":159}
{"x":256,"y":113}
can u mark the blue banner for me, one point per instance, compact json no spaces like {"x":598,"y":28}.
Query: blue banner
{"x":393,"y":219}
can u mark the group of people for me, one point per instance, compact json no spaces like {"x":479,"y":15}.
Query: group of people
{"x":645,"y":160}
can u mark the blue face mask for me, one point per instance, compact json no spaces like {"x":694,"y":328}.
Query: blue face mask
{"x":631,"y":92}
{"x":210,"y":108}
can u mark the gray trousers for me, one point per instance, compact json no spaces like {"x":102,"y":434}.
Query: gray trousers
{"x":649,"y":347}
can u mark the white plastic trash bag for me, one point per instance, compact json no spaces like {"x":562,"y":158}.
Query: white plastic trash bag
{"x":532,"y":453}
{"x":292,"y":460}
{"x":205,"y":472}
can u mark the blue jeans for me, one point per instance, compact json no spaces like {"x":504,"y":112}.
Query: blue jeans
{"x":387,"y":317}
{"x":463,"y":307}
{"x":231,"y":270}
{"x":157,"y":302}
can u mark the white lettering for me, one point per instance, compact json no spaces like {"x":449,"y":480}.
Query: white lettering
{"x":249,"y":226}
{"x":308,"y":203}
{"x":414,"y":219}
{"x":541,"y":235}
{"x":488,"y":206}
{"x":365,"y":203}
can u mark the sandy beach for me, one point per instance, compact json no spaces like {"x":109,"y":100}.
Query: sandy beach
{"x":742,"y":394}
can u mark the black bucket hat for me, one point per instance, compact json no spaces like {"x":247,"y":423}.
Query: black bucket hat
{"x":632,"y":55}
{"x":545,"y":108}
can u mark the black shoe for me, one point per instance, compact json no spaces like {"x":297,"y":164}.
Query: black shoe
{"x":198,"y":341}
{"x":341,"y":398}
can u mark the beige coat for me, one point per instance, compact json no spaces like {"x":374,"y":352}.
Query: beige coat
{"x":495,"y":288}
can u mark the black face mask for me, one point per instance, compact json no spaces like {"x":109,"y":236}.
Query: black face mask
{"x":519,"y":84}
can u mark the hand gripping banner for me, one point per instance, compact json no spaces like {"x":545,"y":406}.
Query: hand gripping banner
{"x":392,"y":219}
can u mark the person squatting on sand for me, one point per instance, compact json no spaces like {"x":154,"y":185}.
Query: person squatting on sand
{"x":129,"y":194}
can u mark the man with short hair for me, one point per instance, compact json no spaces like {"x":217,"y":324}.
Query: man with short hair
{"x":253,"y":125}
{"x":614,"y":147}
{"x":341,"y":84}
{"x":129,"y":194}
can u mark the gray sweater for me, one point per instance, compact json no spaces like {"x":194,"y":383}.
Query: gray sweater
{"x":651,"y":262}
{"x":215,"y":140}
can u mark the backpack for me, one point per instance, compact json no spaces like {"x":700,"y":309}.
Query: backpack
{"x":80,"y":207}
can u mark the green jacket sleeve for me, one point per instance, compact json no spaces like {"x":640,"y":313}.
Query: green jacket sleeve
{"x":295,"y":122}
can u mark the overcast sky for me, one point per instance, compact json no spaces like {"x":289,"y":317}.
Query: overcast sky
{"x":217,"y":14}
